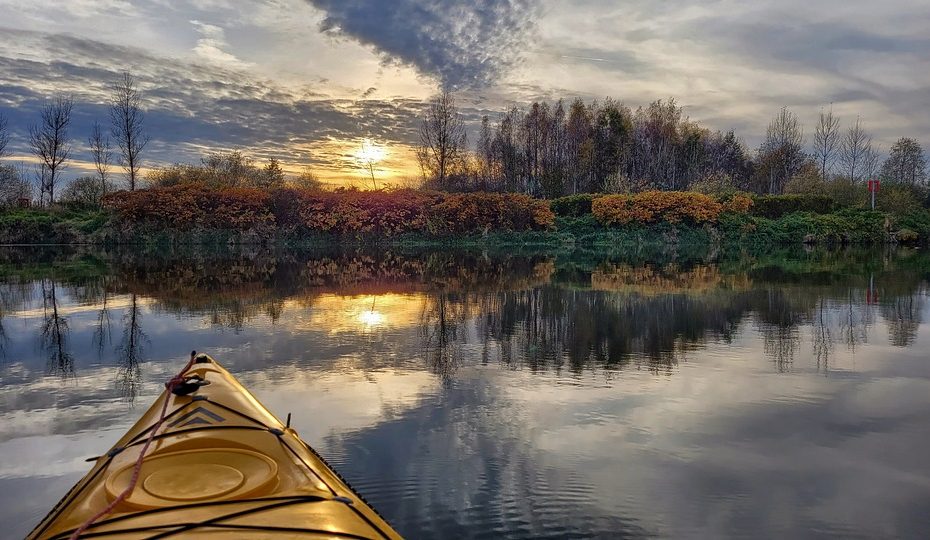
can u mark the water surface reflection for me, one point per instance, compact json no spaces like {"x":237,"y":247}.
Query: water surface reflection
{"x":475,"y":394}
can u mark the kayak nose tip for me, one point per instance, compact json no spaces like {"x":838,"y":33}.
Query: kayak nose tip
{"x":201,"y":358}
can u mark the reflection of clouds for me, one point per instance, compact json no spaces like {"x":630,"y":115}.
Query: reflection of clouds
{"x":113,"y":303}
{"x":725,"y":448}
{"x":58,"y":455}
{"x":351,"y":398}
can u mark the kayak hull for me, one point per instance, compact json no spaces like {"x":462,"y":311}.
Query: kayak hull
{"x":219,"y":465}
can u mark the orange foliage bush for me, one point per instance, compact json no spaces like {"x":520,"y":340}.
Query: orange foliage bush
{"x":481,"y":212}
{"x":193,"y":205}
{"x":353,"y":211}
{"x":654,"y":206}
{"x":344,"y":211}
{"x":738,"y":204}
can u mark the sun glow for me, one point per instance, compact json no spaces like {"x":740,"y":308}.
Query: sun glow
{"x":370,"y":153}
{"x":371,"y":318}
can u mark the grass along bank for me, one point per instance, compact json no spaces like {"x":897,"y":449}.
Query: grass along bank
{"x":200,"y":215}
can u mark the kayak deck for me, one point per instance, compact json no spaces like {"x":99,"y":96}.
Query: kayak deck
{"x":220,"y":465}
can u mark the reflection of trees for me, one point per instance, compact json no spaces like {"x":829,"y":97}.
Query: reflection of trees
{"x":779,"y":313}
{"x":14,"y":294}
{"x":103,"y":330}
{"x":855,"y":318}
{"x":780,"y":343}
{"x":822,"y":335}
{"x":54,"y":335}
{"x":442,"y":330}
{"x":130,"y":351}
{"x":546,"y":325}
{"x":902,"y":313}
{"x":539,"y":311}
{"x":4,"y":339}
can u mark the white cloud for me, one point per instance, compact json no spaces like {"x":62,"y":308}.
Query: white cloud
{"x":212,"y":46}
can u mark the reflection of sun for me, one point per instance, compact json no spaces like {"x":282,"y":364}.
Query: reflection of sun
{"x":371,"y":318}
{"x":370,"y":152}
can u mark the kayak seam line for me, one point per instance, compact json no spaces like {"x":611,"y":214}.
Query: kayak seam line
{"x":220,"y":519}
{"x":281,"y":501}
{"x":66,"y":500}
{"x":307,"y":465}
{"x":348,"y":485}
{"x":145,"y":431}
{"x":186,"y":431}
{"x":276,"y":528}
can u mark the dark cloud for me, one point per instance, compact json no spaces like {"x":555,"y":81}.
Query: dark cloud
{"x":822,"y":47}
{"x":465,"y":43}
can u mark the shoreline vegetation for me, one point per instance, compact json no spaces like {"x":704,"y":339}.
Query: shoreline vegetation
{"x":200,"y":215}
{"x":597,"y":174}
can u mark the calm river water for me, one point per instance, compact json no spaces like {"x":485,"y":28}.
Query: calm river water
{"x":485,"y":395}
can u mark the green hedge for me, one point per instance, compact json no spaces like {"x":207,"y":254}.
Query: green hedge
{"x":573,"y":205}
{"x":776,"y":206}
{"x":847,"y":226}
{"x":57,"y":225}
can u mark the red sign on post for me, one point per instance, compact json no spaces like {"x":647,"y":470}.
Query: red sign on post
{"x":873,"y":185}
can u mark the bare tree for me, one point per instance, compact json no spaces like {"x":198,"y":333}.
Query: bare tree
{"x":443,"y":143}
{"x":870,"y":162}
{"x":856,"y":146}
{"x":126,"y":117}
{"x":4,"y":136}
{"x":827,"y":141}
{"x":50,"y":142}
{"x":102,"y":155}
{"x":578,"y":145}
{"x":14,"y":185}
{"x":40,"y":178}
{"x":484,"y":151}
{"x":507,"y":151}
{"x":782,"y":151}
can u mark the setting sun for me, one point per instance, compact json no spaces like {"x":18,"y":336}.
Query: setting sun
{"x":370,"y":153}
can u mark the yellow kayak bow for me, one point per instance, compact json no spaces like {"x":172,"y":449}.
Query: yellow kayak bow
{"x":220,"y":465}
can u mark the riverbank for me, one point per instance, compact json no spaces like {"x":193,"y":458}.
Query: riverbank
{"x":197,"y":216}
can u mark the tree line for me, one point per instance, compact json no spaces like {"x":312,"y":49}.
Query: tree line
{"x":551,"y":150}
{"x":545,"y":149}
{"x":51,"y":143}
{"x":120,"y":143}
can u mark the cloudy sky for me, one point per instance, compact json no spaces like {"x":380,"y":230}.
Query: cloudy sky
{"x":308,"y":81}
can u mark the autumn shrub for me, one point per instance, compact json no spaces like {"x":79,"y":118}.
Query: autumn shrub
{"x":737,"y":204}
{"x":193,"y":206}
{"x":776,"y":206}
{"x":573,"y":205}
{"x":345,"y":211}
{"x":483,"y":212}
{"x":656,"y":206}
{"x":354,"y":211}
